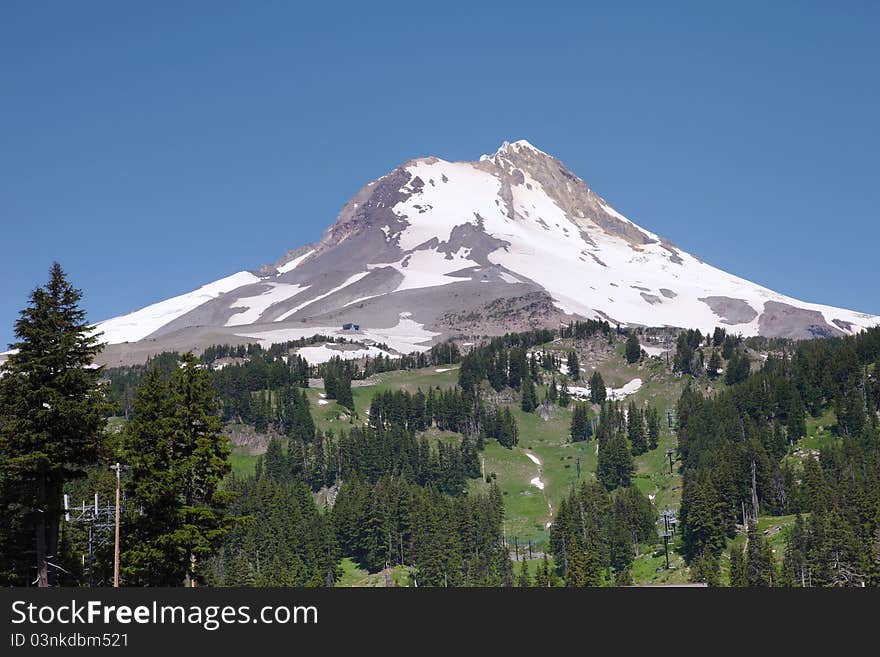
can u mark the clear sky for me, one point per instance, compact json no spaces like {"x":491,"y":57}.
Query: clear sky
{"x":153,"y":147}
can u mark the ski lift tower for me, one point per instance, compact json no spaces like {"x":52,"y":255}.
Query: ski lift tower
{"x":668,"y":530}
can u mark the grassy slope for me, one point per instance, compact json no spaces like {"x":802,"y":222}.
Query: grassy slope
{"x":527,"y":508}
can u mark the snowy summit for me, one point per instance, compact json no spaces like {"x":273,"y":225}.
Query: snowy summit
{"x":512,"y":241}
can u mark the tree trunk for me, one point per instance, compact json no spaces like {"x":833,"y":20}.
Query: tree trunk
{"x":189,"y":580}
{"x":52,"y":519}
{"x":42,"y":563}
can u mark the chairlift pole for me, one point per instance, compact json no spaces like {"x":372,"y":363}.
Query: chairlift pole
{"x":118,"y":469}
{"x":91,"y":551}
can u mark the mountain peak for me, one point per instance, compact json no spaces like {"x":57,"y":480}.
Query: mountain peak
{"x":510,"y":148}
{"x":435,"y":249}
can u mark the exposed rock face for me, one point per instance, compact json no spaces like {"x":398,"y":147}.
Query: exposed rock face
{"x":731,"y":311}
{"x":435,"y":248}
{"x":787,"y":321}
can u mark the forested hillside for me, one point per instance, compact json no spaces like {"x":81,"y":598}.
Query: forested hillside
{"x":588,"y":455}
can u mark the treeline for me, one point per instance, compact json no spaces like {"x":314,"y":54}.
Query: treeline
{"x":596,"y":534}
{"x":445,"y":541}
{"x":690,"y":355}
{"x":253,"y":368}
{"x":449,"y":410}
{"x":734,"y":450}
{"x":510,"y":360}
{"x":388,"y":444}
{"x":586,"y":329}
{"x":286,"y":410}
{"x":371,"y":454}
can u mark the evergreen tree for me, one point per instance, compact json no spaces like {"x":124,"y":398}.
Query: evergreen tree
{"x":529,"y":400}
{"x":738,"y":575}
{"x":274,"y":463}
{"x":51,"y":414}
{"x":714,"y":365}
{"x":150,"y":555}
{"x":615,"y":466}
{"x":176,"y":480}
{"x":653,"y":428}
{"x":343,"y":392}
{"x":597,"y":388}
{"x":705,"y":568}
{"x":633,"y":349}
{"x":635,"y":428}
{"x":564,"y":395}
{"x":703,"y":524}
{"x":524,"y":580}
{"x":552,"y":393}
{"x":737,"y":369}
{"x":574,"y":368}
{"x":581,"y":427}
{"x":759,"y":559}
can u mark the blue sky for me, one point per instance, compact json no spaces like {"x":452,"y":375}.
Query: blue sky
{"x":154,"y":147}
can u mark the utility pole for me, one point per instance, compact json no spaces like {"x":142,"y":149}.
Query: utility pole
{"x":118,"y":469}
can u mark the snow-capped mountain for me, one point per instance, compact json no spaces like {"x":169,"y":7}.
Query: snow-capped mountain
{"x":436,"y":248}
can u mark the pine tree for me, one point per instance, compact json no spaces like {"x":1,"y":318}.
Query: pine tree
{"x":529,"y":400}
{"x":615,"y":466}
{"x":542,"y":578}
{"x":564,"y":395}
{"x":552,"y":393}
{"x":705,"y":568}
{"x":274,"y":462}
{"x":52,"y":408}
{"x":636,"y":429}
{"x":343,"y":392}
{"x":702,"y":518}
{"x":597,"y":388}
{"x":738,"y":577}
{"x":524,"y":580}
{"x":653,"y":428}
{"x":581,"y":427}
{"x":624,"y":577}
{"x":149,"y":555}
{"x":178,"y":459}
{"x":714,"y":365}
{"x":574,"y":368}
{"x":759,"y":559}
{"x":633,"y":349}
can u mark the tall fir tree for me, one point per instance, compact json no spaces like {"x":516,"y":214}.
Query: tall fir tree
{"x":581,"y":427}
{"x":597,"y":388}
{"x":633,"y":349}
{"x":529,"y":400}
{"x":574,"y":367}
{"x":738,"y":576}
{"x":52,"y":409}
{"x":178,"y":459}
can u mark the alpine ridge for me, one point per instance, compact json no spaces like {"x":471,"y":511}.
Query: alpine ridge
{"x":435,"y":249}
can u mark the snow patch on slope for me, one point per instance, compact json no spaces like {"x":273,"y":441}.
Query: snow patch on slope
{"x":324,"y":353}
{"x":405,"y":337}
{"x":293,"y":264}
{"x":255,"y":306}
{"x":141,"y":323}
{"x":346,"y":283}
{"x":426,"y":268}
